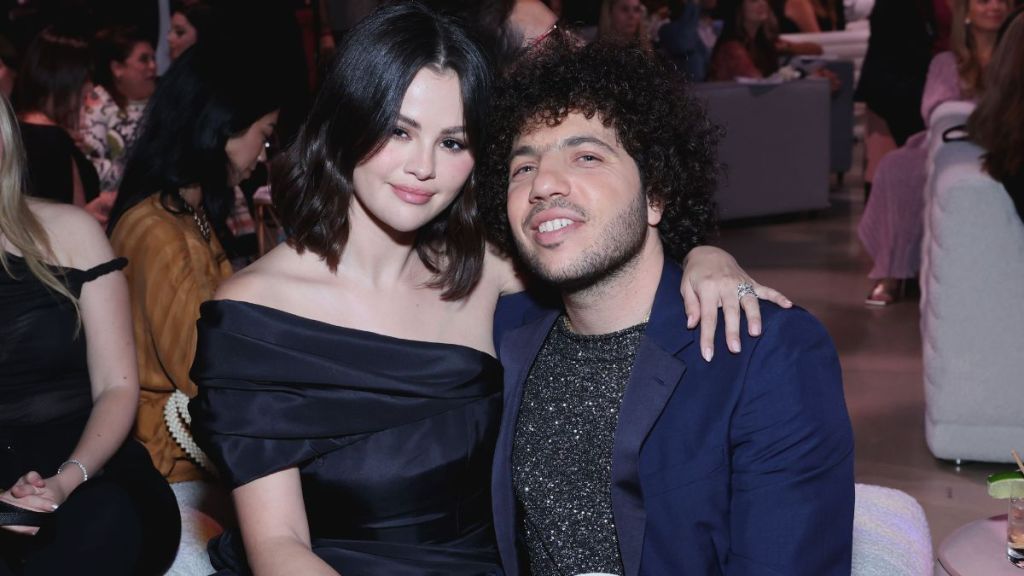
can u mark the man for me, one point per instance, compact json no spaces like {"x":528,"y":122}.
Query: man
{"x":622,"y":451}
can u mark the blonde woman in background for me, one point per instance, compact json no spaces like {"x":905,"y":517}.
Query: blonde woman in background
{"x":82,"y":495}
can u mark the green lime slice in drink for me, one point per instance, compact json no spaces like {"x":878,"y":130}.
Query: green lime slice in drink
{"x":1006,"y":485}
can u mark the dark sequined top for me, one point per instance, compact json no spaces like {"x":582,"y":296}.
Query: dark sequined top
{"x":562,"y":455}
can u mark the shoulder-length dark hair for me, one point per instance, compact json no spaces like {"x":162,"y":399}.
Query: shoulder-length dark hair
{"x":114,"y":44}
{"x":355,"y":111}
{"x":205,"y":98}
{"x":53,"y":71}
{"x":199,"y":13}
{"x":760,"y":46}
{"x":997,"y":124}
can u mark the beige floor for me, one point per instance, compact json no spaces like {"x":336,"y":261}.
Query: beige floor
{"x":819,"y":263}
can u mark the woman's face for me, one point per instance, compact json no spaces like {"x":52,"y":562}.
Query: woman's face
{"x":755,"y":12}
{"x":181,"y":36}
{"x":987,"y":15}
{"x":627,"y":17}
{"x":249,"y":148}
{"x":135,"y":78}
{"x":425,"y":161}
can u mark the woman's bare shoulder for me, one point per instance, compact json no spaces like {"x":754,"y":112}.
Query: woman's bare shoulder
{"x":76,"y":238}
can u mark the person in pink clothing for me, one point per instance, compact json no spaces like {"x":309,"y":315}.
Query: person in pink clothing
{"x":893,"y":220}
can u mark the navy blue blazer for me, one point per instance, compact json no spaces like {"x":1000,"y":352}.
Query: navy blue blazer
{"x":743,"y":465}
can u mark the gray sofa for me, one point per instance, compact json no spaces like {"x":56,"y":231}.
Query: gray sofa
{"x":776,"y":147}
{"x":972,"y":305}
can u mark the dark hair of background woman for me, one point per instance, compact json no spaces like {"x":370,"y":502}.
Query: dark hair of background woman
{"x":351,"y":120}
{"x":52,"y":73}
{"x":199,"y":13}
{"x":761,"y":47}
{"x":207,"y":96}
{"x":997,"y":124}
{"x":114,"y":44}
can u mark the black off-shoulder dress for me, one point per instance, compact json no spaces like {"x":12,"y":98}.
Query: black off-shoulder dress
{"x":393,"y":438}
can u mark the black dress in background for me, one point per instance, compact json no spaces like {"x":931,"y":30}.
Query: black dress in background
{"x":393,"y":438}
{"x":49,"y":152}
{"x":124,"y":519}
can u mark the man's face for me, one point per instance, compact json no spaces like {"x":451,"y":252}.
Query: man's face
{"x":575,"y":202}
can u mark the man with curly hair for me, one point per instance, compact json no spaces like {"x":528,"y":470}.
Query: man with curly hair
{"x":621,"y":450}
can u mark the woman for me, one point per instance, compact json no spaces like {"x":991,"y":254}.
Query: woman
{"x":892,"y":225}
{"x":997,"y":124}
{"x":189,"y":18}
{"x":88,"y":496}
{"x":54,"y":76}
{"x":749,"y":45}
{"x":623,"y":19}
{"x":796,"y":16}
{"x":348,"y":389}
{"x":206,"y":129}
{"x":125,"y":78}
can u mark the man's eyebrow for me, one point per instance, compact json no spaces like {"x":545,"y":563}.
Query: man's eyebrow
{"x":525,"y":150}
{"x":570,"y":142}
{"x":573,"y":141}
{"x":416,"y":125}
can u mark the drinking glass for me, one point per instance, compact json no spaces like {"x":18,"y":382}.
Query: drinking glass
{"x":1015,"y":532}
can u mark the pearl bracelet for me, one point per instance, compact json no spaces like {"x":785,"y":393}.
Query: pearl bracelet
{"x":85,"y":473}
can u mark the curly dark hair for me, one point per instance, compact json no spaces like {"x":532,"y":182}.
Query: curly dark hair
{"x":659,"y":123}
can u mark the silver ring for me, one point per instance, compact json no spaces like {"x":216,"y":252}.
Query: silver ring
{"x":745,"y":289}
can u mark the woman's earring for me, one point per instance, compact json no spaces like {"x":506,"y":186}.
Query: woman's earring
{"x":967,"y":21}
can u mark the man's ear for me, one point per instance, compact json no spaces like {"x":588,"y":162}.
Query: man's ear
{"x":654,"y":211}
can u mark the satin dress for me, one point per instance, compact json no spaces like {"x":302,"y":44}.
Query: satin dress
{"x":393,"y":438}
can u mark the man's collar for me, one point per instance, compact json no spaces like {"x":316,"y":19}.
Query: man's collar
{"x":667,"y":326}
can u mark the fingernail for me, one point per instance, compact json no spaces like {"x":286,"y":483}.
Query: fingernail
{"x":689,"y":321}
{"x":708,"y":354}
{"x":789,"y":302}
{"x":734,"y":346}
{"x":755,"y":330}
{"x":54,"y":506}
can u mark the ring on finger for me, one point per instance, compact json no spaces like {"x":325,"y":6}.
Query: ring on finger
{"x":745,"y":289}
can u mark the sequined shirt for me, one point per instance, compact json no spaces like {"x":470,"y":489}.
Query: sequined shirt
{"x":562,"y":454}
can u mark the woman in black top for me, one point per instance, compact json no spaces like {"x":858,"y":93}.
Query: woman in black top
{"x":81,"y":497}
{"x":54,"y":75}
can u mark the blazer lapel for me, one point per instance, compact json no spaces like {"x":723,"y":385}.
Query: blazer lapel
{"x":518,"y":351}
{"x":656,"y":374}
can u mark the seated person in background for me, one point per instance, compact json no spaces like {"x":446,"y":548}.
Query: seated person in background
{"x":54,"y":75}
{"x":124,"y":78}
{"x":689,"y":37}
{"x":88,"y":497}
{"x":623,"y":20}
{"x":750,"y":46}
{"x":8,"y":67}
{"x":620,"y":450}
{"x":808,"y":15}
{"x":206,"y":130}
{"x":189,"y":18}
{"x":892,"y":225}
{"x":996,"y":123}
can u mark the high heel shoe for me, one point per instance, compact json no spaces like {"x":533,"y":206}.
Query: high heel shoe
{"x":886,"y":291}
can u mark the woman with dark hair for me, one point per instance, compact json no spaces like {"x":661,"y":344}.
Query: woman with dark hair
{"x":54,"y":76}
{"x":189,"y":20}
{"x":82,"y":496}
{"x":348,"y":387}
{"x":124,"y":78}
{"x":205,"y":130}
{"x":997,"y":124}
{"x":749,"y":45}
{"x":892,"y":225}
